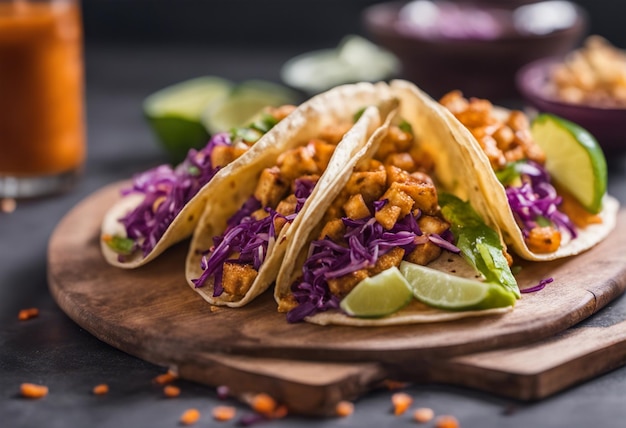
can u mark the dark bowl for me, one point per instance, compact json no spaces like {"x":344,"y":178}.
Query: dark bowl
{"x":479,"y":67}
{"x":606,"y":124}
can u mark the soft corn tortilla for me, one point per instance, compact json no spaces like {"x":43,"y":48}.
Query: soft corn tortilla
{"x":415,"y":312}
{"x":183,"y":224}
{"x":311,"y":115}
{"x":180,"y":228}
{"x":453,"y":174}
{"x":232,"y":188}
{"x":497,"y":205}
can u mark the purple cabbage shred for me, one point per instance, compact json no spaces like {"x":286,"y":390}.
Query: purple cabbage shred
{"x":367,"y":242}
{"x":223,"y":392}
{"x":542,"y":284}
{"x":166,"y":192}
{"x":247,"y":237}
{"x":378,"y":205}
{"x":536,"y":198}
{"x":252,"y":419}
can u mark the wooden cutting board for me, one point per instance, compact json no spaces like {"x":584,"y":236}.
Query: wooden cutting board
{"x":152,"y":313}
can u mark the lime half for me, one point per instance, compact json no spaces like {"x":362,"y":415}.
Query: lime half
{"x":245,"y":101}
{"x":175,"y":113}
{"x":445,"y":291}
{"x":379,"y":295}
{"x":573,"y":158}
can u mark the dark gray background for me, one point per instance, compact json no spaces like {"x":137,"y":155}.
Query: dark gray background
{"x":134,"y":47}
{"x":266,"y":22}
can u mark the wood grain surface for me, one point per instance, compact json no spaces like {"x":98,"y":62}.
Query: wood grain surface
{"x":527,"y":372}
{"x":152,"y":313}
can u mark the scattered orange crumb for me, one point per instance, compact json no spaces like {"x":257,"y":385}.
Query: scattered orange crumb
{"x":165,"y":378}
{"x":7,"y":205}
{"x":280,"y":412}
{"x":223,"y":413}
{"x":394,"y":384}
{"x":401,"y":402}
{"x":171,"y":391}
{"x":101,"y":389}
{"x":31,"y":390}
{"x":263,"y":404}
{"x":214,"y":308}
{"x":106,"y":237}
{"x":344,"y":408}
{"x":190,"y":417}
{"x":423,"y":415}
{"x":446,"y":421}
{"x":26,"y":314}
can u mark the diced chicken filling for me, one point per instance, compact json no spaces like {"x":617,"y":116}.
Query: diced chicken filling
{"x":343,"y":285}
{"x":543,"y":239}
{"x":397,"y":179}
{"x":271,"y":187}
{"x":276,"y":190}
{"x":504,"y":139}
{"x":223,"y":155}
{"x":238,"y":278}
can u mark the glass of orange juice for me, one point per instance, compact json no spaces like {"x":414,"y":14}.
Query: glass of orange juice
{"x":42,"y":129}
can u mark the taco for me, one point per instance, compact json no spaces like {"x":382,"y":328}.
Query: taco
{"x":386,"y":208}
{"x":252,"y":214}
{"x":538,"y":218}
{"x":163,"y":205}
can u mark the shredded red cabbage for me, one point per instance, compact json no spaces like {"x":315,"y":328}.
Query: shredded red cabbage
{"x":223,"y":392}
{"x":445,"y":241}
{"x":247,"y":237}
{"x":536,"y":198}
{"x":303,"y":189}
{"x":539,"y":286}
{"x":379,"y":204}
{"x":166,"y":192}
{"x":252,"y":419}
{"x":367,"y":242}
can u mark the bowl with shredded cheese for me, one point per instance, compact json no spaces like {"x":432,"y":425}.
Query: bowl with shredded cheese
{"x":586,"y":86}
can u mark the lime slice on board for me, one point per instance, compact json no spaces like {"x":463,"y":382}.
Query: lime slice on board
{"x":573,"y":158}
{"x":175,"y":113}
{"x":378,"y":295}
{"x":445,"y":291}
{"x":244,"y":102}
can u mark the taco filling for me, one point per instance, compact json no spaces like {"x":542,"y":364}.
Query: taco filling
{"x":387,"y":212}
{"x":165,"y":191}
{"x":234,"y":260}
{"x":547,"y":216}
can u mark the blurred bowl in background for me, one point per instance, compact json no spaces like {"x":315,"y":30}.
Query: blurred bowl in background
{"x":476,"y":47}
{"x":355,"y":59}
{"x":604,"y":123}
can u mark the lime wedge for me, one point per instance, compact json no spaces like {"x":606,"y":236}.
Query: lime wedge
{"x":573,"y":158}
{"x":378,"y":295}
{"x":244,"y":103}
{"x":445,"y":291}
{"x":175,"y":113}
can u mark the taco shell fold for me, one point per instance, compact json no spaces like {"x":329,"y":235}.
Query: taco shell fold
{"x":234,"y":185}
{"x":496,"y":203}
{"x":453,"y":173}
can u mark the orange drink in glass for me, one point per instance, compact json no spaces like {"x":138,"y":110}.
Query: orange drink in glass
{"x":42,"y":130}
